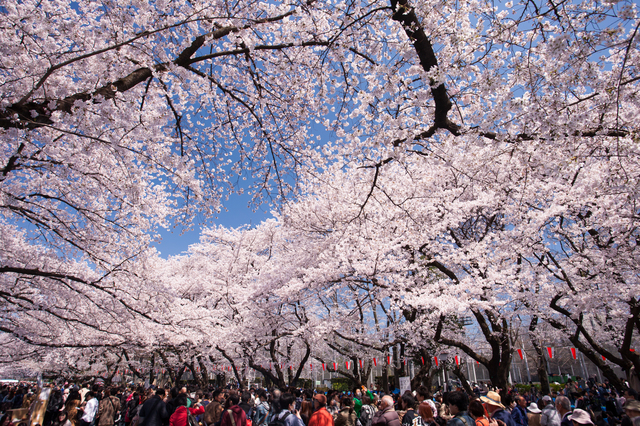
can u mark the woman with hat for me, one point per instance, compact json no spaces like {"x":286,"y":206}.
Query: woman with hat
{"x":495,"y":408}
{"x":533,"y":414}
{"x":580,"y":418}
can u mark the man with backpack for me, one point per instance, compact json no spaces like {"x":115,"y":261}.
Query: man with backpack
{"x":288,"y":416}
{"x":234,"y":415}
{"x":108,"y":407}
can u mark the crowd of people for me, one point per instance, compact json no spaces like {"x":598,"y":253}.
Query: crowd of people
{"x":97,"y":405}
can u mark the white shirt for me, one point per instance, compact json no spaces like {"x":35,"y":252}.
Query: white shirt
{"x":90,"y":410}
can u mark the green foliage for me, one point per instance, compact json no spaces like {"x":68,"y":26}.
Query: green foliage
{"x":341,"y":384}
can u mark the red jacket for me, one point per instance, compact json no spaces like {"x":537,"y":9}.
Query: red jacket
{"x":238,"y":415}
{"x":321,"y":418}
{"x":179,"y":417}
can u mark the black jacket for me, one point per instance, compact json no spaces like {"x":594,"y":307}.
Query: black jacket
{"x":153,"y":412}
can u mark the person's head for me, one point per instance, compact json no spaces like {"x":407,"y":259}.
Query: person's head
{"x":563,"y":405}
{"x":425,"y":411}
{"x":217,"y":395}
{"x":521,"y":401}
{"x":386,"y":401}
{"x":408,"y":401}
{"x":366,"y":399}
{"x":181,"y":399}
{"x":287,"y":401}
{"x":183,"y":390}
{"x":234,"y":399}
{"x":458,"y":402}
{"x":632,"y":408}
{"x":246,"y":396}
{"x":174,"y":392}
{"x":160,"y":392}
{"x":357,"y":392}
{"x":580,"y":418}
{"x":62,"y":416}
{"x":346,"y":402}
{"x":492,"y":402}
{"x":546,"y":400}
{"x":422,"y":393}
{"x":476,"y":409}
{"x":320,"y":401}
{"x":630,"y":394}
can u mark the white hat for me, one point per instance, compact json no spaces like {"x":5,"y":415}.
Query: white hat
{"x":580,"y":416}
{"x":547,"y":398}
{"x":533,"y":408}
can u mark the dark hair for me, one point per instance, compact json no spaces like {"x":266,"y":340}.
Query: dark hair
{"x":174,"y":392}
{"x":632,"y":393}
{"x":423,"y":391}
{"x":262,"y":394}
{"x":286,"y":400}
{"x":409,"y":400}
{"x":246,"y":396}
{"x":234,"y":399}
{"x":216,"y":393}
{"x":366,"y":399}
{"x":459,"y":399}
{"x":160,"y":392}
{"x":346,"y":401}
{"x":181,"y":400}
{"x":476,"y":409}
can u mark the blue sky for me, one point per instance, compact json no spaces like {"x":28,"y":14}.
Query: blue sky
{"x":238,"y":213}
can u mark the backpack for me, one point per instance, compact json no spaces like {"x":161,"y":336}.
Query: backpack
{"x":279,"y":422}
{"x":191,"y":421}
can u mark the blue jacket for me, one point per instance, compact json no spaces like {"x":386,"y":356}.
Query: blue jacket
{"x":504,"y":416}
{"x":520,"y":416}
{"x":458,"y":420}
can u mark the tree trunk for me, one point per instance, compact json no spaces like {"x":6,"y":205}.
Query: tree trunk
{"x":457,"y":370}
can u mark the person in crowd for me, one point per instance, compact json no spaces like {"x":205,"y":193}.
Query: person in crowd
{"x":90,"y":409}
{"x":458,"y":403}
{"x":245,"y":398}
{"x":631,"y":411}
{"x":367,"y":411}
{"x":213,"y":412}
{"x":71,"y":407}
{"x":288,"y":414}
{"x":154,"y":410}
{"x":61,"y":419}
{"x":496,"y":409}
{"x":580,"y":418}
{"x":234,"y":415}
{"x":180,"y":417}
{"x":108,"y":407}
{"x":519,"y":412}
{"x":563,"y":405}
{"x":261,"y":409}
{"x":534,"y":414}
{"x":306,"y":410}
{"x":347,"y":414}
{"x":321,"y":416}
{"x":476,"y":411}
{"x":427,"y":416}
{"x":409,"y":407}
{"x":549,"y":415}
{"x":386,"y":415}
{"x":333,"y":405}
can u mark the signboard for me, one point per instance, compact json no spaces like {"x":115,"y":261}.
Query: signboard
{"x":405,"y":384}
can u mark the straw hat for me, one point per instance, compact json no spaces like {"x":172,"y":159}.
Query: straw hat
{"x":533,"y":408}
{"x":492,"y":398}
